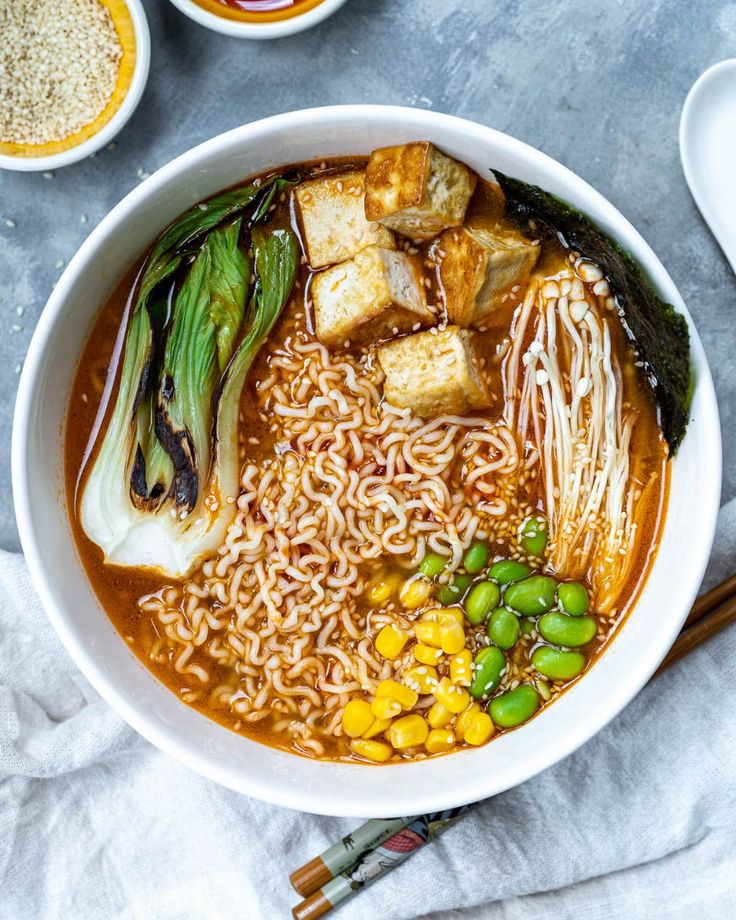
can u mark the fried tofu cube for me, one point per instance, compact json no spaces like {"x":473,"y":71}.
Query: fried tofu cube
{"x":378,"y":293}
{"x":433,"y":373}
{"x":332,"y":214}
{"x":478,"y":267}
{"x":417,"y":190}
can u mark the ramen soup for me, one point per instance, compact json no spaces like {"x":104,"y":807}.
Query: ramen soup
{"x":367,"y":459}
{"x":258,"y":10}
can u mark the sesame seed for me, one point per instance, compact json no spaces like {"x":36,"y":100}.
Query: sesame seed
{"x":64,"y":56}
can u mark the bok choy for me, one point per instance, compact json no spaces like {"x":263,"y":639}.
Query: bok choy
{"x":157,"y":493}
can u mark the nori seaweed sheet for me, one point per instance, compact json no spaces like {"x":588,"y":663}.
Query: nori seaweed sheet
{"x":658,"y":333}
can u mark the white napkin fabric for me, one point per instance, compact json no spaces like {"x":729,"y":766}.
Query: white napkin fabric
{"x":96,"y":823}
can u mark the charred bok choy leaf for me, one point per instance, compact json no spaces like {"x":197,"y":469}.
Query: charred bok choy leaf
{"x":658,"y":333}
{"x":157,"y":492}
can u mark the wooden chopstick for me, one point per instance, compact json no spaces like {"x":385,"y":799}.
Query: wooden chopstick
{"x":714,"y":598}
{"x":702,"y":629}
{"x":710,"y":613}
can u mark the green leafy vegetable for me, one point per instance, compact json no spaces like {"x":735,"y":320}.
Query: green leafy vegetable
{"x":658,"y":333}
{"x":156,"y":494}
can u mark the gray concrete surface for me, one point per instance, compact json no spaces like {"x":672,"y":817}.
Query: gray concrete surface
{"x":598,"y":84}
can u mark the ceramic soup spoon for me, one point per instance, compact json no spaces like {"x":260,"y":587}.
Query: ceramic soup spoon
{"x":708,"y":151}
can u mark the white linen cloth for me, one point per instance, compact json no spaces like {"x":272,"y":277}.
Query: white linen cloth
{"x":96,"y":823}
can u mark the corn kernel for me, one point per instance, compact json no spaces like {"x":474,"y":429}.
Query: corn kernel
{"x":382,"y":587}
{"x":444,"y":615}
{"x":479,"y":728}
{"x":378,"y":727}
{"x":384,"y":707}
{"x":408,"y":731}
{"x":462,"y":720}
{"x":453,"y":698}
{"x":357,"y":718}
{"x":426,"y":654}
{"x":371,"y":750}
{"x":404,"y":696}
{"x":390,"y":641}
{"x":428,"y":634}
{"x":461,"y":668}
{"x":438,"y":716}
{"x":422,"y":678}
{"x":415,"y":591}
{"x":452,"y":638}
{"x":439,"y":740}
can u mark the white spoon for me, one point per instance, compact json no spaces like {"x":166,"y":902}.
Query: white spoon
{"x":708,"y":151}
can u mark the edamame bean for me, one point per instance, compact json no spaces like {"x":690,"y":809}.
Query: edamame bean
{"x":560,"y":629}
{"x":487,"y":670}
{"x":532,"y":595}
{"x":476,"y":557}
{"x":558,"y":664}
{"x":507,"y":570}
{"x":481,"y":599}
{"x":514,"y":707}
{"x":503,"y":628}
{"x":534,"y":534}
{"x":432,"y":564}
{"x":454,"y":592}
{"x":527,"y":627}
{"x":573,"y":598}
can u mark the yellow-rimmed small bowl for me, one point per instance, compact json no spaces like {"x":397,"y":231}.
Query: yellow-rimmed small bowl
{"x":132,"y":28}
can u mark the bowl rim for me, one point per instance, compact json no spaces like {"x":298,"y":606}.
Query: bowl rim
{"x":170,"y":740}
{"x":278,"y":29}
{"x":111,"y":128}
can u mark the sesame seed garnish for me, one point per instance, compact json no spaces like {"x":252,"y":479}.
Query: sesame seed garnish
{"x":64,"y":57}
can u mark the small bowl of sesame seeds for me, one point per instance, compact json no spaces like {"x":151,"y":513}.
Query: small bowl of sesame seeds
{"x":71,"y":74}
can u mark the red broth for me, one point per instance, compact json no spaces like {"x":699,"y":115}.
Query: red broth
{"x":122,"y":590}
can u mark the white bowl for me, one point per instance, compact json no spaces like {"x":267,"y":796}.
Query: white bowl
{"x":276,"y":29}
{"x":106,"y":660}
{"x":108,"y":131}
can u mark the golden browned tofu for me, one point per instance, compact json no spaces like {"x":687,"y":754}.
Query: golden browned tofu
{"x":434,"y":373}
{"x":417,"y":190}
{"x":333,"y":222}
{"x":378,"y":293}
{"x":478,"y":267}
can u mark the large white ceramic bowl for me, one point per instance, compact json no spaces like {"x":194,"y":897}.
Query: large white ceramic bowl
{"x":105,"y":659}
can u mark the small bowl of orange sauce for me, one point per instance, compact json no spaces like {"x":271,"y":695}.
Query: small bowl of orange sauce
{"x":258,"y":18}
